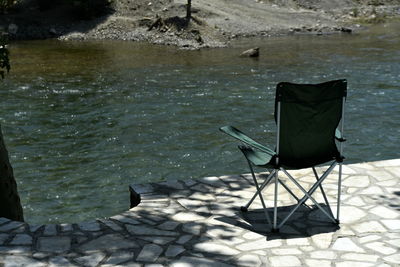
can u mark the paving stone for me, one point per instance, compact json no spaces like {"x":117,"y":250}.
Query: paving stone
{"x":350,"y":214}
{"x":112,"y":225}
{"x":286,"y":251}
{"x":124,"y":219}
{"x":183,"y":239}
{"x":59,"y":261}
{"x":149,"y":253}
{"x":387,"y":163}
{"x":173,"y":251}
{"x":18,"y":261}
{"x":323,"y":254}
{"x":21,"y":239}
{"x":381,"y":248}
{"x":319,"y":263}
{"x":353,"y":263}
{"x":89,"y":226}
{"x":169,"y":225}
{"x":91,"y":260}
{"x":372,"y":190}
{"x":187,"y":217}
{"x":392,"y":224}
{"x":160,"y":240}
{"x":66,"y":227}
{"x":356,"y":181}
{"x":12,"y":225}
{"x":369,"y":238}
{"x":249,"y":260}
{"x":4,"y":220}
{"x":393,"y":242}
{"x":388,"y":183}
{"x":143,"y":188}
{"x":215,"y":248}
{"x":360,"y":257}
{"x":192,"y":228}
{"x":259,"y":244}
{"x":384,"y":212}
{"x":56,"y":244}
{"x":252,"y":235}
{"x":144,"y":230}
{"x":298,"y":241}
{"x":108,"y":242}
{"x":34,"y":228}
{"x":284,"y":261}
{"x":50,"y":230}
{"x":369,"y":227}
{"x":40,"y":255}
{"x":12,"y":250}
{"x":3,"y":237}
{"x":395,"y":259}
{"x":119,"y":257}
{"x":194,"y":261}
{"x":323,"y":240}
{"x":355,"y":201}
{"x":346,"y":244}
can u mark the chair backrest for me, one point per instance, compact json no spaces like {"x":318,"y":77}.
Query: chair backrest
{"x":307,"y":116}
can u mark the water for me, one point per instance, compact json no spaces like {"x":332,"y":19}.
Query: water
{"x":83,"y":120}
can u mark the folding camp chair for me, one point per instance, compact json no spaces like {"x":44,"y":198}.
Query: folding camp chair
{"x":307,"y":118}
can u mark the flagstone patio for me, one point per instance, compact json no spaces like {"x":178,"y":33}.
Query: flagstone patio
{"x":199,"y":223}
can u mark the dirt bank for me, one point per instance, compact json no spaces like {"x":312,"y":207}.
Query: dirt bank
{"x":214,"y":23}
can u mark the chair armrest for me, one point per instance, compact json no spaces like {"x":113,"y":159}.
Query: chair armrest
{"x":339,"y":136}
{"x":235,"y":133}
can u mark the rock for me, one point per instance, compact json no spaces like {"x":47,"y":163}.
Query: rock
{"x":254,"y":52}
{"x":346,"y":30}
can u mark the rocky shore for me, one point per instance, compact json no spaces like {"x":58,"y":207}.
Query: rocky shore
{"x":213,"y":23}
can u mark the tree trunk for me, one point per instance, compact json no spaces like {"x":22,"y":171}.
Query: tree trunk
{"x":189,"y":10}
{"x":10,"y":205}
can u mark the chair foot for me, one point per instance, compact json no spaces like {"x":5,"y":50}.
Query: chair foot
{"x":243,"y":209}
{"x":275,"y":230}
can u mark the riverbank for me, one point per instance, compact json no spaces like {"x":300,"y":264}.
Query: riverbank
{"x":198,"y":222}
{"x":213,"y":23}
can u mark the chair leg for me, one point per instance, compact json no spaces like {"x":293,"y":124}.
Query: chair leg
{"x":307,"y":195}
{"x":339,"y":193}
{"x":259,"y":192}
{"x":263,"y":185}
{"x":275,"y":228}
{"x":323,"y":192}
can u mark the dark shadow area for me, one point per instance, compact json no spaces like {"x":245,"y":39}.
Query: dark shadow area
{"x":305,"y":222}
{"x":42,"y":19}
{"x":214,"y":219}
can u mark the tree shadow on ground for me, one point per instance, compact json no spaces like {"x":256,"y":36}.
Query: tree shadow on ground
{"x":392,"y":201}
{"x":206,"y":212}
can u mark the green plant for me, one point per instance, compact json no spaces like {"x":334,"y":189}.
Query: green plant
{"x":4,"y":53}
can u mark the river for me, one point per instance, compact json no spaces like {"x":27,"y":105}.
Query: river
{"x":83,"y":120}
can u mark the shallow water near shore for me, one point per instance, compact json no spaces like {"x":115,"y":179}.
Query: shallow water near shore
{"x":83,"y":120}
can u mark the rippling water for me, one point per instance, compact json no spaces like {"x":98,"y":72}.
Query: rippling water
{"x":83,"y":120}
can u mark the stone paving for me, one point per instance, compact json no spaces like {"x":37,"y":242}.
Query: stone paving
{"x":199,"y":223}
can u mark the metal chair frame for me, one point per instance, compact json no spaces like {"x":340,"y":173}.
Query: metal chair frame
{"x":274,"y":175}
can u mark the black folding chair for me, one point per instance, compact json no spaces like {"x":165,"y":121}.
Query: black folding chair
{"x":307,"y":118}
